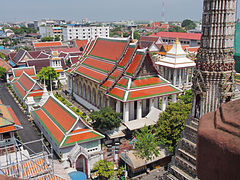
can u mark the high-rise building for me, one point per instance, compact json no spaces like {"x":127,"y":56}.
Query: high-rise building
{"x":212,"y":82}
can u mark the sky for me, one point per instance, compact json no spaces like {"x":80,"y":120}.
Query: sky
{"x":100,"y":10}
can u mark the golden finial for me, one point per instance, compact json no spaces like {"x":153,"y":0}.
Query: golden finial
{"x":177,"y":41}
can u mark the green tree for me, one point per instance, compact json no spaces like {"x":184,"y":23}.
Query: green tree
{"x":136,"y":35}
{"x":6,"y":42}
{"x":2,"y":72}
{"x":171,"y":124}
{"x":48,"y":74}
{"x":105,"y":119}
{"x":188,"y":24}
{"x":121,"y":173}
{"x":23,"y":47}
{"x":2,"y":56}
{"x":186,"y":97}
{"x":23,"y":30}
{"x":57,"y":38}
{"x":104,"y":169}
{"x":47,"y":38}
{"x":146,"y":143}
{"x":176,"y":29}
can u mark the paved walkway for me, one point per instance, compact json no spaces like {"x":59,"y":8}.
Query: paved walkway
{"x":28,"y":133}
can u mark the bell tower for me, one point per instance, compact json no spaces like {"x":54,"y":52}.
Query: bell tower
{"x":213,"y":80}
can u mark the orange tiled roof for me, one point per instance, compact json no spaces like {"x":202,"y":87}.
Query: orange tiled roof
{"x":193,"y":36}
{"x":53,"y":129}
{"x":47,"y":44}
{"x":57,"y":112}
{"x":90,"y":73}
{"x":109,"y":49}
{"x":98,"y":63}
{"x":5,"y":65}
{"x":135,"y":63}
{"x":29,"y":168}
{"x":28,"y":70}
{"x":81,"y":43}
{"x":59,"y":122}
{"x":127,"y":56}
{"x":23,"y":86}
{"x":9,"y":120}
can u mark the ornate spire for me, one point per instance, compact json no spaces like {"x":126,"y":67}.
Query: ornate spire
{"x":212,"y":81}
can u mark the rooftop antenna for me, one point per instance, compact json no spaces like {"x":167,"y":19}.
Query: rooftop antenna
{"x":163,"y":11}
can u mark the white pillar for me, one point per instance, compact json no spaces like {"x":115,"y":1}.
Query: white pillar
{"x":183,"y":76}
{"x":169,"y":74}
{"x":108,"y":101}
{"x":118,"y":107}
{"x":187,"y":76}
{"x":151,"y":103}
{"x":174,"y":98}
{"x":180,"y":78}
{"x":174,"y":76}
{"x":191,"y":75}
{"x":131,"y":110}
{"x":126,"y":112}
{"x":139,"y":109}
{"x":164,"y":103}
{"x":156,"y":103}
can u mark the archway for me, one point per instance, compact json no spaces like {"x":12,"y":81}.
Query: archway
{"x":99,"y":100}
{"x":84,"y":91}
{"x":80,"y":89}
{"x":89,"y":94}
{"x":94,"y":97}
{"x":82,"y":164}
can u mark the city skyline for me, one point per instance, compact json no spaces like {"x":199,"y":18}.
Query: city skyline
{"x":105,"y":10}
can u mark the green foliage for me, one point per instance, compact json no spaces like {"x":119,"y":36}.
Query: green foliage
{"x":14,"y":42}
{"x":69,"y":105}
{"x":2,"y":72}
{"x":146,"y":143}
{"x":6,"y":42}
{"x":104,"y":169}
{"x":136,"y":35}
{"x":47,"y":38}
{"x":105,"y":119}
{"x":57,"y":38}
{"x":23,"y":30}
{"x":2,"y":56}
{"x":186,"y":97}
{"x":188,"y":24}
{"x":171,"y":124}
{"x":176,"y":29}
{"x":121,"y":172}
{"x":23,"y":47}
{"x":47,"y":73}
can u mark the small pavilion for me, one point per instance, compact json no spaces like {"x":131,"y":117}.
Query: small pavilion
{"x":176,"y":67}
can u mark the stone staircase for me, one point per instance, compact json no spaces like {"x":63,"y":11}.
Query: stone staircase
{"x":183,"y":165}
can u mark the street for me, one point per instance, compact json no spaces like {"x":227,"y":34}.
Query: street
{"x":28,"y":133}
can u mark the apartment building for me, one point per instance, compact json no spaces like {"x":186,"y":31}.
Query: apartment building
{"x":74,"y":31}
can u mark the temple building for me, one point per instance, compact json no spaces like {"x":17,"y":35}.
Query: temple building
{"x":70,"y":136}
{"x":176,"y":67}
{"x":115,"y":72}
{"x":9,"y":125}
{"x":26,"y":88}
